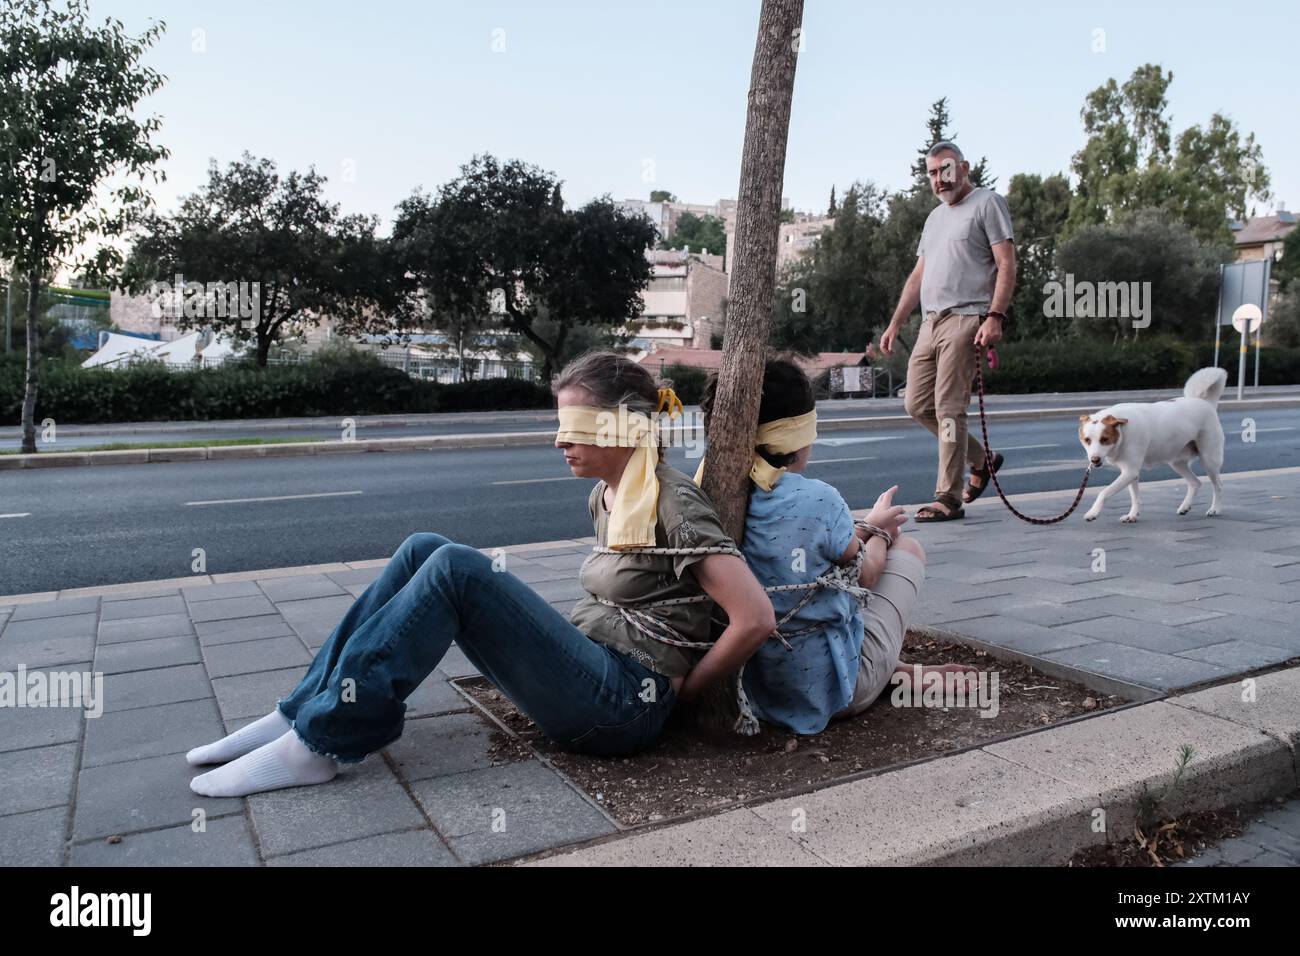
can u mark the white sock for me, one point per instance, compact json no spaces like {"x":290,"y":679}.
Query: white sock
{"x":242,"y":741}
{"x":285,"y":762}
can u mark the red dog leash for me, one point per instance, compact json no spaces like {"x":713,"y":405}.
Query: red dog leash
{"x":988,"y":451}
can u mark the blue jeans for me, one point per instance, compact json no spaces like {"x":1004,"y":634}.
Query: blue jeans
{"x":585,"y":696}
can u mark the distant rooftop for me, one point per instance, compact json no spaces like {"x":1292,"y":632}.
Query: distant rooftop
{"x":711,"y":359}
{"x":1261,"y":229}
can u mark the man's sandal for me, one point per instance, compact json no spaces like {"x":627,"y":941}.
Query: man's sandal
{"x":970,"y":492}
{"x":929,"y":513}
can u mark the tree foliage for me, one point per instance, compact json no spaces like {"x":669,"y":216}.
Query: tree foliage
{"x":497,"y":242}
{"x":698,"y":232}
{"x":1147,"y":247}
{"x":1132,"y":161}
{"x":74,"y":157}
{"x":280,"y":239}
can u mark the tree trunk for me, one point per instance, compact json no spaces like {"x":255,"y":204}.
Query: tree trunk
{"x":749,"y":313}
{"x":734,"y":419}
{"x":33,"y":364}
{"x":263,"y":347}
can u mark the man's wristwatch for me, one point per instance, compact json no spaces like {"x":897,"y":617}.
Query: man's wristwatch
{"x":994,"y":314}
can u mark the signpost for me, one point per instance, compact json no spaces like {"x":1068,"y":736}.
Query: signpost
{"x":1247,"y":319}
{"x":1242,"y":284}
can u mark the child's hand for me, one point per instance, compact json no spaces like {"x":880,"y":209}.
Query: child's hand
{"x":886,"y":515}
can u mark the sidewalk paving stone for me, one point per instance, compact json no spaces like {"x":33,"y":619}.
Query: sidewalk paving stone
{"x":123,"y":736}
{"x":37,"y":779}
{"x":22,"y":728}
{"x":254,"y":695}
{"x":145,"y":628}
{"x":437,"y":746}
{"x":167,"y":685}
{"x":147,"y":655}
{"x":1157,"y":638}
{"x":34,"y":838}
{"x":237,"y":630}
{"x":1237,"y":655}
{"x":456,"y":665}
{"x":35,"y":653}
{"x":362,"y":576}
{"x":142,"y":607}
{"x":1019,"y":635}
{"x":327,"y":609}
{"x":408,"y":848}
{"x":435,"y":696}
{"x":51,"y":628}
{"x":224,"y":841}
{"x":249,"y":657}
{"x":31,"y":612}
{"x":363,"y":800}
{"x":201,"y":593}
{"x":280,"y":590}
{"x":1252,"y":607}
{"x":147,"y":794}
{"x":507,"y":811}
{"x":231,"y":607}
{"x":1137,"y":666}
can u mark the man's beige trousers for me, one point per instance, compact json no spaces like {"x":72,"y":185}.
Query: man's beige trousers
{"x":939,"y":376}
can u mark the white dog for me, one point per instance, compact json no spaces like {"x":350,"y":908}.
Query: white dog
{"x":1133,"y":435}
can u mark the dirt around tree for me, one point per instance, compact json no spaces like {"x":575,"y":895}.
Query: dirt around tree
{"x":687,"y":772}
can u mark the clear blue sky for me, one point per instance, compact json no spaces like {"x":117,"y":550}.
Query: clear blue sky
{"x":406,"y":91}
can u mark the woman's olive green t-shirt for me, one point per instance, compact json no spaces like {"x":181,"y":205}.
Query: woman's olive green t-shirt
{"x":684,"y":519}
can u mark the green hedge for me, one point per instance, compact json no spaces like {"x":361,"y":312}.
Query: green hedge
{"x":1085,"y":365}
{"x":688,"y":382}
{"x":146,"y":392}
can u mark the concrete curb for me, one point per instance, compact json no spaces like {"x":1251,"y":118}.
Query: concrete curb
{"x":1031,"y":800}
{"x":678,"y":435}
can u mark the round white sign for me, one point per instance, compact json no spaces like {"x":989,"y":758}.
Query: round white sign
{"x":1247,"y":318}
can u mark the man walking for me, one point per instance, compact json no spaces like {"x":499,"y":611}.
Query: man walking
{"x":964,"y":277}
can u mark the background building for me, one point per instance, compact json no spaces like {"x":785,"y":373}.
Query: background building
{"x":683,"y":304}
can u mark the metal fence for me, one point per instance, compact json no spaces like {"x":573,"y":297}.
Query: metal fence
{"x":444,"y":370}
{"x":449,"y":370}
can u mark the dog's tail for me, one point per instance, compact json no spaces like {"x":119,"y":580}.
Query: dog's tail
{"x":1207,"y":384}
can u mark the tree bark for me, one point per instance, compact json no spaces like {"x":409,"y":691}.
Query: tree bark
{"x":749,"y":314}
{"x":33,"y":364}
{"x":734,"y":419}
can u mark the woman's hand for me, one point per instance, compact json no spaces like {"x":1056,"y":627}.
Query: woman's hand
{"x":886,"y":515}
{"x":733,"y":587}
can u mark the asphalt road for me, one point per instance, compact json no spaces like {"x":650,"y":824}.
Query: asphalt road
{"x":77,"y":527}
{"x":74,"y":437}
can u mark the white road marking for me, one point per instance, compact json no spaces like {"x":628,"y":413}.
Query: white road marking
{"x":532,"y":481}
{"x":834,"y":442}
{"x":20,"y":514}
{"x":1036,"y":469}
{"x":240,"y":501}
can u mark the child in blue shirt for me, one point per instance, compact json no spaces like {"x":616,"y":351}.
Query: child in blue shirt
{"x":840,"y":657}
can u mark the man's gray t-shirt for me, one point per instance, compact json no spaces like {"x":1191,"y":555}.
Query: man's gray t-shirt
{"x":957,"y":243}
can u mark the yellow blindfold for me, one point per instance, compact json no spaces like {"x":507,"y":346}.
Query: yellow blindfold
{"x":782,"y":436}
{"x":632,"y":520}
